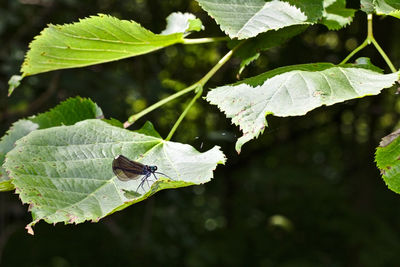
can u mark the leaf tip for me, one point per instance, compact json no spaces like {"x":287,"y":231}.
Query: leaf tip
{"x":29,"y":229}
{"x":13,"y":83}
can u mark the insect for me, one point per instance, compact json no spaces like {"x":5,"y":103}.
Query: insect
{"x":126,"y":169}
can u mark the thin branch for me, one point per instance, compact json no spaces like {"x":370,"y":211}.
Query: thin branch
{"x":137,"y":116}
{"x":371,"y":39}
{"x":194,"y":86}
{"x":364,"y":44}
{"x":383,"y":54}
{"x":182,"y":116}
{"x":199,"y":89}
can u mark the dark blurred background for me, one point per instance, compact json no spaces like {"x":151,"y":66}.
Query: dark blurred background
{"x":305,"y":193}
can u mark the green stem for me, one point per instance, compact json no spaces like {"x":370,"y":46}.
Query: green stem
{"x":137,"y":116}
{"x":204,"y":40}
{"x":364,"y":44}
{"x":199,"y":90}
{"x":371,"y":39}
{"x":220,"y":63}
{"x":194,"y":86}
{"x":370,"y":31}
{"x":383,"y":54}
{"x":182,"y":116}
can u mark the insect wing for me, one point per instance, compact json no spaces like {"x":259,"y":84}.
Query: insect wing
{"x":126,"y":169}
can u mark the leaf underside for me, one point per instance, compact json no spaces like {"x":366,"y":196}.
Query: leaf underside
{"x":293,"y":91}
{"x":382,"y":7}
{"x":65,"y":173}
{"x":66,"y":113}
{"x":245,"y":19}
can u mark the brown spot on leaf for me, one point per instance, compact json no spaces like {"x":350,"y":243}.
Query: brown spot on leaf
{"x":388,"y":139}
{"x":316,"y":93}
{"x":72,"y":218}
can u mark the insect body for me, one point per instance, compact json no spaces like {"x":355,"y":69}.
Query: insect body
{"x":126,"y":170}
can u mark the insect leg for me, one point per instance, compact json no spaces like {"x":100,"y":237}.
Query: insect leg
{"x":164,"y":175}
{"x":142,"y":182}
{"x":147,"y":179}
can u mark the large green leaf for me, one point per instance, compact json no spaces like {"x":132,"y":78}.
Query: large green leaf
{"x":382,"y":7}
{"x":67,"y":113}
{"x":293,"y":91}
{"x":387,"y":159}
{"x":93,"y":40}
{"x":244,"y":19}
{"x":65,"y":172}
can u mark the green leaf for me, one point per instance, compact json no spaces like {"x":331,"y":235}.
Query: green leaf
{"x":185,"y":23}
{"x":365,"y":63}
{"x":244,"y":19}
{"x":387,"y":159}
{"x":336,"y":15}
{"x":148,"y":129}
{"x":67,"y":113}
{"x":13,"y":83}
{"x":367,"y":6}
{"x":250,"y":50}
{"x":90,"y":41}
{"x":114,"y":122}
{"x":247,"y":61}
{"x":65,"y":173}
{"x":312,"y":8}
{"x":382,"y":7}
{"x":293,"y":91}
{"x":18,"y":130}
{"x":5,"y":184}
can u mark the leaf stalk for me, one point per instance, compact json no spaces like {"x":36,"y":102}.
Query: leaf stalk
{"x":195,"y":86}
{"x":182,"y":116}
{"x":371,"y":39}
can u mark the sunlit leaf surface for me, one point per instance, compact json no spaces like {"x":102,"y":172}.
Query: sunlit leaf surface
{"x":65,"y":173}
{"x":293,"y":91}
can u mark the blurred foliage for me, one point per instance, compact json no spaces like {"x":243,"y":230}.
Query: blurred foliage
{"x":305,"y":193}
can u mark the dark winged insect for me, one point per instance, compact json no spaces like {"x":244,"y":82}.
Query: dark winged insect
{"x":126,"y":170}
